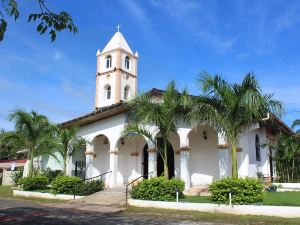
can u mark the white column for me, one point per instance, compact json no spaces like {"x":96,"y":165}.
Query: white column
{"x":152,"y":159}
{"x":185,"y":156}
{"x":89,"y":158}
{"x":113,"y":167}
{"x":243,"y":162}
{"x":185,"y":166}
{"x":223,"y":155}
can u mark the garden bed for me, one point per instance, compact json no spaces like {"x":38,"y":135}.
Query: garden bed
{"x":272,"y":198}
{"x":263,"y":210}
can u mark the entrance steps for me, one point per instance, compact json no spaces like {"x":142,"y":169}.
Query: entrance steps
{"x":202,"y":190}
{"x":108,"y":200}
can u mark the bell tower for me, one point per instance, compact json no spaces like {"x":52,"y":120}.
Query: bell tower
{"x":116,"y":73}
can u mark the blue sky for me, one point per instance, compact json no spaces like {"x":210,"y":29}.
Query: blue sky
{"x":176,"y":39}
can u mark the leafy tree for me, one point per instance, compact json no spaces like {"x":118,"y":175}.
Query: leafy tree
{"x":47,"y":19}
{"x":67,"y":143}
{"x":287,"y":158}
{"x":32,"y":133}
{"x":161,"y":113}
{"x":232,"y":107}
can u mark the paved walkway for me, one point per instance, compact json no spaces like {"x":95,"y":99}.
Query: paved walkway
{"x":107,"y":201}
{"x":19,"y":212}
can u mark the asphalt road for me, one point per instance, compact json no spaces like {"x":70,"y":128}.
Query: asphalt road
{"x":25,"y":212}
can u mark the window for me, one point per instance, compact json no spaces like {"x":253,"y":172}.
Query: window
{"x":257,"y":148}
{"x":108,"y":61}
{"x":126,"y":92}
{"x":127,"y":62}
{"x":108,"y":92}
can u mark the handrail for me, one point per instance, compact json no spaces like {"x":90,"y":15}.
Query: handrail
{"x":143,"y":176}
{"x":101,"y":175}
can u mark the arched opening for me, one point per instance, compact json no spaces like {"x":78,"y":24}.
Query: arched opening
{"x":108,"y":92}
{"x":257,"y":148}
{"x":101,"y":155}
{"x":108,"y":61}
{"x":145,"y":160}
{"x":127,"y":62}
{"x":160,"y":162}
{"x":126,"y":92}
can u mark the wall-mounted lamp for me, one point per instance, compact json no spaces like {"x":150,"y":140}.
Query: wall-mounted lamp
{"x":204,"y":135}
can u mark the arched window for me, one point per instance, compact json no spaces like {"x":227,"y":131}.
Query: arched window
{"x":257,"y":148}
{"x":108,"y":61}
{"x":126,"y":92}
{"x":108,"y":92}
{"x":127,"y":62}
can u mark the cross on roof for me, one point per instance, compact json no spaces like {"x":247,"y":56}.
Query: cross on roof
{"x":118,"y":27}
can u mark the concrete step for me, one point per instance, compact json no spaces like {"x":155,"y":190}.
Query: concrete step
{"x":198,"y":191}
{"x":109,"y":198}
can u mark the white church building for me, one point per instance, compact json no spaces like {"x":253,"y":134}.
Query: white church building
{"x":197,"y":155}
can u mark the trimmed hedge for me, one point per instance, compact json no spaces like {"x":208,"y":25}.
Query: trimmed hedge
{"x":91,"y":187}
{"x":66,"y":185}
{"x":75,"y":185}
{"x":157,"y":188}
{"x":34,"y":183}
{"x":244,"y":191}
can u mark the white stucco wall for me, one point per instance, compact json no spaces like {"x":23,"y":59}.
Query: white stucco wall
{"x":129,"y":166}
{"x":204,"y":156}
{"x":247,"y":143}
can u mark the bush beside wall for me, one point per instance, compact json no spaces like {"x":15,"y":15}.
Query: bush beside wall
{"x":91,"y":187}
{"x":66,"y":185}
{"x":34,"y":183}
{"x":244,"y":191}
{"x":75,"y":185}
{"x":157,"y":188}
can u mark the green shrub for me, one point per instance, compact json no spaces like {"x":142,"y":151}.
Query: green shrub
{"x":51,"y":174}
{"x":34,"y":183}
{"x":244,"y":191}
{"x":157,"y":188}
{"x":91,"y":187}
{"x":67,"y":185}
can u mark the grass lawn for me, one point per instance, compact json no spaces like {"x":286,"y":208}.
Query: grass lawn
{"x":7,"y":192}
{"x":272,"y":198}
{"x":213,"y":217}
{"x":282,"y":198}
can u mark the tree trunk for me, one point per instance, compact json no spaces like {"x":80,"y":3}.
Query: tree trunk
{"x":234,"y":161}
{"x":65,"y":164}
{"x":166,"y":168}
{"x":30,"y":167}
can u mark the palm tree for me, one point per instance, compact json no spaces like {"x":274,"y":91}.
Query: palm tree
{"x":67,"y":143}
{"x":295,"y":124}
{"x":231,"y":108}
{"x":164,"y":114}
{"x":32,"y":133}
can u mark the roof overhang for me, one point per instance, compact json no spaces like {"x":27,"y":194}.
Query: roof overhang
{"x":97,"y":115}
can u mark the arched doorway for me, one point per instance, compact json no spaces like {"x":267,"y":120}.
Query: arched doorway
{"x":145,"y":160}
{"x":160,"y":162}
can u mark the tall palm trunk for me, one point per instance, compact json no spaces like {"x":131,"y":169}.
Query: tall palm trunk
{"x":30,"y":167}
{"x":65,"y":165}
{"x":234,"y":161}
{"x":166,"y":168}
